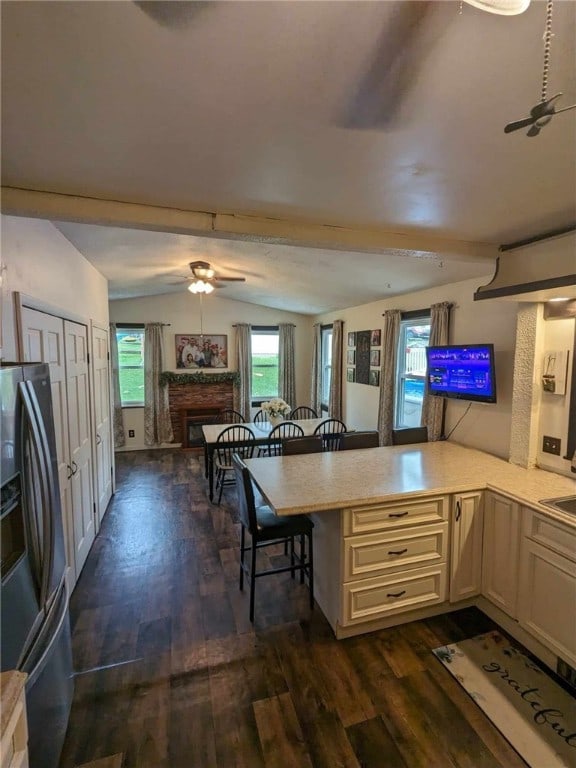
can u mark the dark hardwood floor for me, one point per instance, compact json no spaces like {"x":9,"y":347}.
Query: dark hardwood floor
{"x":171,"y":674}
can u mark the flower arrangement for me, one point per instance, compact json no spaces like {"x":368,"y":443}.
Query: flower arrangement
{"x":276,"y":407}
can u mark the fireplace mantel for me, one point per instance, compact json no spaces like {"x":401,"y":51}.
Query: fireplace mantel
{"x":199,"y":377}
{"x":201,"y":393}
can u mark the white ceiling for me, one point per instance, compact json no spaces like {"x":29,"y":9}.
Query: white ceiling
{"x":248,"y":107}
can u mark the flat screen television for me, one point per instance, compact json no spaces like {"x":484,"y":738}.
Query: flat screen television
{"x":462,"y":371}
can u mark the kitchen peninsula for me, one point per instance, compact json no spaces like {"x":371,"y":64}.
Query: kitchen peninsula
{"x":406,"y":532}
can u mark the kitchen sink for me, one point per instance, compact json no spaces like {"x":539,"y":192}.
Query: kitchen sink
{"x":564,"y":503}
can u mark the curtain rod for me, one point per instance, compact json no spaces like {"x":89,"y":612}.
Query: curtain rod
{"x":266,"y":327}
{"x":120,"y":324}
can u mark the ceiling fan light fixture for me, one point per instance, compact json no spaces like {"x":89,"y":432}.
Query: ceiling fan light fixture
{"x":200,"y":286}
{"x":501,"y":7}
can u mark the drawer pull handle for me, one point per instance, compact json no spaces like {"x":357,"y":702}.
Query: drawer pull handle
{"x":397,"y":551}
{"x":396,"y":594}
{"x":397,"y":514}
{"x":458,"y":510}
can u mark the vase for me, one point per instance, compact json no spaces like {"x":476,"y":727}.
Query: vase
{"x":275,"y":420}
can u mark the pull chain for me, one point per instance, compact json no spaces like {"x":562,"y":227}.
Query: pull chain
{"x":201,"y":319}
{"x":547,"y":44}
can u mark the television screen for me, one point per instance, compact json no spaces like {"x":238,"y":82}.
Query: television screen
{"x":465,"y":372}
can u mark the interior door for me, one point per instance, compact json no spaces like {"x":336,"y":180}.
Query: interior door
{"x":79,"y":435}
{"x":43,"y":341}
{"x":103,"y":435}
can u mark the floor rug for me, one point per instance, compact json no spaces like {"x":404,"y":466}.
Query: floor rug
{"x":535,"y":714}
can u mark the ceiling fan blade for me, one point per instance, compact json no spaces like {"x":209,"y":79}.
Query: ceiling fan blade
{"x":172,"y":14}
{"x":230,"y":279}
{"x":515,"y":126}
{"x":393,"y":67}
{"x":534,"y":131}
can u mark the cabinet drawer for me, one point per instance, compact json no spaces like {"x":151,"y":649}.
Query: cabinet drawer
{"x":376,"y":517}
{"x":373,"y":598}
{"x":388,"y":551}
{"x":550,"y":533}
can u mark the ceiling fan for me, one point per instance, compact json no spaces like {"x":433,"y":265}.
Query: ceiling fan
{"x":542,"y":113}
{"x":204,"y":278}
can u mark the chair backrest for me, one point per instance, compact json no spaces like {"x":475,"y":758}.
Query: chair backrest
{"x":284,"y":429}
{"x":303,"y":412}
{"x":245,"y":492}
{"x":229,"y":416}
{"x":331,"y":430}
{"x":308,"y":444}
{"x":351,"y":440}
{"x":411,"y":435}
{"x":260,"y":416}
{"x":235,"y":439}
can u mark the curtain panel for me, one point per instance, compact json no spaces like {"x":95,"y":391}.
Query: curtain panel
{"x":335,"y":401}
{"x":117,"y":414}
{"x":243,"y":393}
{"x":157,"y":424}
{"x":390,"y":339}
{"x":433,"y":407}
{"x":286,"y":370}
{"x":316,"y":383}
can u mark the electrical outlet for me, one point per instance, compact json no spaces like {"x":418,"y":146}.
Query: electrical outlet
{"x":551,"y":445}
{"x":131,"y":434}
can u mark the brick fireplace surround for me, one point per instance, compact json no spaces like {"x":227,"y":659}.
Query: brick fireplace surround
{"x":199,"y":399}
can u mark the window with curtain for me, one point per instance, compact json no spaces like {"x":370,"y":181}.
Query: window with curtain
{"x":131,"y":365}
{"x":411,"y":369}
{"x":264,"y":374}
{"x":326,"y":365}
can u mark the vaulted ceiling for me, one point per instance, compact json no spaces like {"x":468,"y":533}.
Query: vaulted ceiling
{"x":313,"y":117}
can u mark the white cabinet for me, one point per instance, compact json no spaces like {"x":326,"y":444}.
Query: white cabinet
{"x":500,"y":552}
{"x":64,"y":346}
{"x":395,"y":556}
{"x":547,"y":588}
{"x":466,"y":549}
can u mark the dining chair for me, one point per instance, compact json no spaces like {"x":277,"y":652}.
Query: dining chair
{"x":235,"y":439}
{"x":260,"y":416}
{"x":367,"y":439}
{"x":267,"y":528}
{"x":411,"y":435}
{"x":283,"y":430}
{"x":292,"y":446}
{"x":303,"y":412}
{"x":230,"y":416}
{"x":330,"y":429}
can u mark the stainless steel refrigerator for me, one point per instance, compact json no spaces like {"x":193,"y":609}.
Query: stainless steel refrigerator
{"x":35,"y":629}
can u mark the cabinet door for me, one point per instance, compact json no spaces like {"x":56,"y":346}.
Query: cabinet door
{"x":466,"y":550}
{"x":547,"y":598}
{"x":43,"y":341}
{"x":500,"y":552}
{"x":77,"y":387}
{"x":102,"y":435}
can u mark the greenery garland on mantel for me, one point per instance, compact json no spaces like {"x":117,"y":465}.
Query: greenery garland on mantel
{"x":168,"y":377}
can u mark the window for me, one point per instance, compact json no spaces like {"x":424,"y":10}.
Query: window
{"x":326,"y":365}
{"x":131,"y":365}
{"x":411,"y":369}
{"x":265,"y":342}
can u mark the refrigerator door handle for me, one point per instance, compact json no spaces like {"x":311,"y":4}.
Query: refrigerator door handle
{"x":61,"y":610}
{"x":42,"y":555}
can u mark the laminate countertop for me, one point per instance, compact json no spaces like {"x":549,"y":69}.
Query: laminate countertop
{"x":336,"y":480}
{"x":11,"y":684}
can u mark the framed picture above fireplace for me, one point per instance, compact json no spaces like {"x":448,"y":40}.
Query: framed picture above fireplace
{"x":201,"y":351}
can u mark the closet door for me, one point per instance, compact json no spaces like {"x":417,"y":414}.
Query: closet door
{"x":79,"y":436}
{"x":102,"y":436}
{"x":43,"y":341}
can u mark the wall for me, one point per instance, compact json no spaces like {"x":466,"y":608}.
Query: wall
{"x":558,"y":336}
{"x":38,"y":261}
{"x":486,"y":427}
{"x":182,"y":311}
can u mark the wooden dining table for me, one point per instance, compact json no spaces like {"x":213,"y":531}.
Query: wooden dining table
{"x":261,"y":431}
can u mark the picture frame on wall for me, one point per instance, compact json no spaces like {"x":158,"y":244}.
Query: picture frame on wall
{"x":376,"y":338}
{"x":374,"y":378}
{"x":351,"y":357}
{"x":351,"y":374}
{"x":375,"y":357}
{"x":351,"y":339}
{"x":195,"y":351}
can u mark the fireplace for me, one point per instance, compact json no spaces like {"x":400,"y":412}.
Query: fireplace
{"x":195,"y":403}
